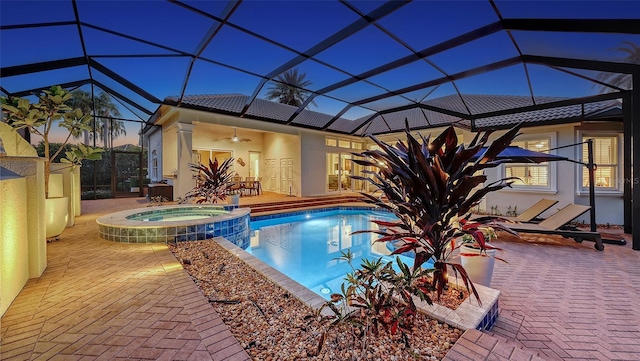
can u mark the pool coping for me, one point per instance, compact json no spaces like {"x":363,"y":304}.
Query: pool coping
{"x":469,"y":315}
{"x":120,"y":218}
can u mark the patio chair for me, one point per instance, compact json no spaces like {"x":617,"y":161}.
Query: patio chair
{"x":557,"y":224}
{"x":252,"y":186}
{"x":529,"y":214}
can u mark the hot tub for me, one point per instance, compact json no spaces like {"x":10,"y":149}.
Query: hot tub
{"x":177,"y":223}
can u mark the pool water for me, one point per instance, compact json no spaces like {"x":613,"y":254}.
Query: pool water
{"x":305,"y":247}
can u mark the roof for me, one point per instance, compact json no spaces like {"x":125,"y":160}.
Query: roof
{"x":418,"y":118}
{"x":363,"y":60}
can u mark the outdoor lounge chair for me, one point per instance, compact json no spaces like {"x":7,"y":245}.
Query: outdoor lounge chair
{"x":557,"y":224}
{"x":529,"y":214}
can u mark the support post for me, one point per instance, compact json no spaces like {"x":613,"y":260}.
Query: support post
{"x":635,"y":134}
{"x":627,"y":120}
{"x":592,"y":188}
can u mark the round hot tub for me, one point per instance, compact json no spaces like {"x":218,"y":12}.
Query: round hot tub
{"x":177,"y":223}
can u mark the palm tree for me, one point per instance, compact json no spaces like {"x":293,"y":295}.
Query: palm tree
{"x":618,"y":79}
{"x":107,"y":129}
{"x":290,"y":88}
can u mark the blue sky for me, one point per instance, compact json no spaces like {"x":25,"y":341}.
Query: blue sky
{"x":299,"y":26}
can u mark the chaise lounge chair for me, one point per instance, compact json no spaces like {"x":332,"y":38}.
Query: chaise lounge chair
{"x":557,"y":224}
{"x":528,"y":215}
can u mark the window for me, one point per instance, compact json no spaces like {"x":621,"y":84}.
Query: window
{"x":154,"y":165}
{"x":344,"y":143}
{"x":605,"y":156}
{"x":531,"y":175}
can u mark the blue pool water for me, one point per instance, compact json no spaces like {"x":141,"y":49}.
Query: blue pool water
{"x":305,"y":246}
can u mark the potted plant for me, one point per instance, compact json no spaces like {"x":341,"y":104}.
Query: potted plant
{"x":431,"y":187}
{"x":478,"y":256}
{"x":212,"y":182}
{"x":39,"y":118}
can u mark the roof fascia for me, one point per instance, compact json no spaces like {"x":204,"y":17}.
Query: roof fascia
{"x":556,"y":104}
{"x":42,"y":66}
{"x":72,"y":84}
{"x":37,"y":25}
{"x":620,"y":26}
{"x":608,"y":66}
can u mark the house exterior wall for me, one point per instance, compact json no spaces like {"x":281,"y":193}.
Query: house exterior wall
{"x":307,"y":149}
{"x":565,"y":178}
{"x":206,"y":137}
{"x":314,"y":160}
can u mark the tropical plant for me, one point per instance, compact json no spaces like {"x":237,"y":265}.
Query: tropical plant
{"x":39,"y":118}
{"x":620,"y":80}
{"x":431,"y":187}
{"x":377,"y":297}
{"x":289,"y":88}
{"x":211,"y":182}
{"x":105,"y":127}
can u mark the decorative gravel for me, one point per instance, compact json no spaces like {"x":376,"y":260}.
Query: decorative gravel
{"x":271,"y":324}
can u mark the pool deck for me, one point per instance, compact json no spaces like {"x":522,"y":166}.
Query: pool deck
{"x":102,"y":300}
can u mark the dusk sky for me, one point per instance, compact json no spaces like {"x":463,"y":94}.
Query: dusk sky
{"x":239,"y":53}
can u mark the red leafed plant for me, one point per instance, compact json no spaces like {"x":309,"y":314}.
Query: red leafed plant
{"x":211,"y":182}
{"x":431,"y":186}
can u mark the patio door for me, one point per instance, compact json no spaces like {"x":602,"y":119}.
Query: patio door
{"x":254,"y":164}
{"x":286,"y":175}
{"x":126,"y":174}
{"x":339,"y":169}
{"x":269,"y":180}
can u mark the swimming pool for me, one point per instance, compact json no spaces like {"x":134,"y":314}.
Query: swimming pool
{"x":305,"y":245}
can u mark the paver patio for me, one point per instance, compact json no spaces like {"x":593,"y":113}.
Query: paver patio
{"x":101,"y":300}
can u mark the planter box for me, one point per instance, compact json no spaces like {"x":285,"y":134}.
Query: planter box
{"x":469,"y":315}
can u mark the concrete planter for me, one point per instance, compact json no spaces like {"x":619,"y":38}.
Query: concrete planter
{"x":56,"y":216}
{"x":479,"y":268}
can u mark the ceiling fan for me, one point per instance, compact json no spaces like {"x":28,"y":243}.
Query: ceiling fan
{"x":236,"y":138}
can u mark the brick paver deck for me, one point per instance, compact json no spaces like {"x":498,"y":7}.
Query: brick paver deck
{"x":101,"y":300}
{"x":566,"y":301}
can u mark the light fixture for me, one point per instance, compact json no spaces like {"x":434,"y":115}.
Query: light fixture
{"x":235,"y":136}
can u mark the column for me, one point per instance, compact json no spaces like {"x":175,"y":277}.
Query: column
{"x":184,"y":182}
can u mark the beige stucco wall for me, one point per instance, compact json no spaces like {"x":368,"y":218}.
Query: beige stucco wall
{"x":565,"y":177}
{"x":14,"y":242}
{"x":207,"y":136}
{"x":33,"y":170}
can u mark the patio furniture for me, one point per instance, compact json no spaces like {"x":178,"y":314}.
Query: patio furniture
{"x":235,"y":186}
{"x":557,"y":224}
{"x":528,"y":215}
{"x":252,"y":186}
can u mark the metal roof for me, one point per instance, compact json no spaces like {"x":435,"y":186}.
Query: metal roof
{"x":232,"y":104}
{"x":370,"y":64}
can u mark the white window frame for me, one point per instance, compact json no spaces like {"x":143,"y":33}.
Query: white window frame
{"x":338,"y":140}
{"x":616,"y":190}
{"x":552,"y":188}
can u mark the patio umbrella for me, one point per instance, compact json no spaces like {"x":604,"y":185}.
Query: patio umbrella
{"x":514,"y":154}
